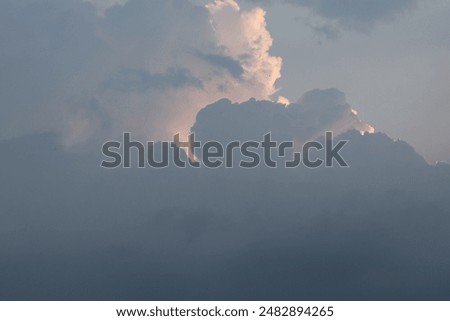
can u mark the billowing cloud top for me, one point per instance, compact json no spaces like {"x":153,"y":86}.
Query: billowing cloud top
{"x":316,"y":112}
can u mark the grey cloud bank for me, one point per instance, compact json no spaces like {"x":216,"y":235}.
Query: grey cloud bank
{"x":377,"y":230}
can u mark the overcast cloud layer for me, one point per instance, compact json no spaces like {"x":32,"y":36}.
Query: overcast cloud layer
{"x":376,"y":230}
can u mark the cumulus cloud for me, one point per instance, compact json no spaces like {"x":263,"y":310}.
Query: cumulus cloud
{"x":244,"y":36}
{"x":314,"y":113}
{"x":149,"y":65}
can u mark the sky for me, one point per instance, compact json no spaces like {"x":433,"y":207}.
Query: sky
{"x":75,"y":74}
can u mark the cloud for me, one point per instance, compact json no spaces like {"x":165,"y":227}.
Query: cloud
{"x":357,"y":12}
{"x":138,"y":60}
{"x":244,"y":36}
{"x":377,"y":230}
{"x":103,"y":5}
{"x":316,"y":112}
{"x":140,"y":80}
{"x":361,"y":15}
{"x":227,"y":63}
